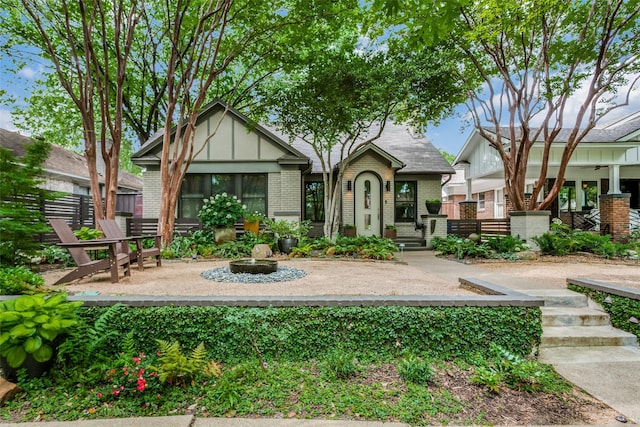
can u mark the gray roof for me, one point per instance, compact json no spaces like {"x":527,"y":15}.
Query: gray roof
{"x":62,"y":161}
{"x":416,"y":152}
{"x":614,"y":131}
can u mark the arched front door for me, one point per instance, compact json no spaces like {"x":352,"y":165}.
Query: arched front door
{"x":367,"y":208}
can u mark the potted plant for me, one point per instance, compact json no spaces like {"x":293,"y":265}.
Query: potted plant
{"x":252,"y":222}
{"x":221,"y":213}
{"x":433,"y":205}
{"x":390,"y":231}
{"x":349,"y":230}
{"x":288,"y":232}
{"x":32,"y":328}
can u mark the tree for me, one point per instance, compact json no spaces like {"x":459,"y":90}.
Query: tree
{"x":220,"y":45}
{"x":88,"y":43}
{"x":524,"y":64}
{"x":344,"y":97}
{"x":20,"y":217}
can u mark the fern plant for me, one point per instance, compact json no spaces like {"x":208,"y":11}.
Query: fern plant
{"x":177,"y":369}
{"x":85,"y":343}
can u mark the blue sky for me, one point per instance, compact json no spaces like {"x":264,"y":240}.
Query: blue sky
{"x":450,"y":135}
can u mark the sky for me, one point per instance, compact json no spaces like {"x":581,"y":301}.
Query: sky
{"x":450,"y":135}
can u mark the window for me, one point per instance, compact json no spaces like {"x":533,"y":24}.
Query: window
{"x":250,"y":188}
{"x":314,"y":201}
{"x":567,"y":197}
{"x":481,"y":203}
{"x":405,"y":201}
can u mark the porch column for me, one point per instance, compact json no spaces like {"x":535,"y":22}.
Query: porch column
{"x":614,"y":215}
{"x":614,"y":179}
{"x":469,"y":209}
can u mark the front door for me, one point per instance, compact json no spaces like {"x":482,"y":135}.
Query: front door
{"x":367,"y":200}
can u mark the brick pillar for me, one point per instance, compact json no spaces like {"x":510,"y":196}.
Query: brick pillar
{"x":614,"y":215}
{"x":509,"y":205}
{"x":469,"y":209}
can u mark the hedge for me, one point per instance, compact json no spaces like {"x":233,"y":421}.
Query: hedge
{"x":236,"y":334}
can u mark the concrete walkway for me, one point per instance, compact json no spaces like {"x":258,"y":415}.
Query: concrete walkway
{"x":611,"y":374}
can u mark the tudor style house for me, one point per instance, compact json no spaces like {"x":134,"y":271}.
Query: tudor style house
{"x":607,"y":161}
{"x":386,"y":182}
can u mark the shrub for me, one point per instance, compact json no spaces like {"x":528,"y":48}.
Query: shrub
{"x":19,"y":280}
{"x":340,"y":364}
{"x":462,"y":248}
{"x":415,"y":369}
{"x":221,"y":210}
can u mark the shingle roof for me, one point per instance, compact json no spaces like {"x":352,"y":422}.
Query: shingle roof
{"x":61,"y":161}
{"x":415,"y":151}
{"x":611,"y":132}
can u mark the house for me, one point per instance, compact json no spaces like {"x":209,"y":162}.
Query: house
{"x":385,"y":182}
{"x":67,"y":172}
{"x":607,"y":161}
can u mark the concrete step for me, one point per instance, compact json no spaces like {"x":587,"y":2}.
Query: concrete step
{"x":559,"y":297}
{"x":574,"y":316}
{"x":599,"y":354}
{"x":585,"y":336}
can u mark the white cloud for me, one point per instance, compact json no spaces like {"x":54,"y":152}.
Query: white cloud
{"x":30,"y":73}
{"x":6,"y":121}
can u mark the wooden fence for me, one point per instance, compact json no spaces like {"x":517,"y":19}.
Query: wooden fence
{"x":465,"y":227}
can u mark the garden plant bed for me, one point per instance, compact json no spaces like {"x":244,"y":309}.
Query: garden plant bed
{"x":306,"y":390}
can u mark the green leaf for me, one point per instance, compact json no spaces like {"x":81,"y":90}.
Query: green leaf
{"x":9,"y":317}
{"x":43,"y":354}
{"x":41,"y":318}
{"x":21,"y":331}
{"x":4,"y":337}
{"x":33,"y":344}
{"x":49,"y":334}
{"x":55,"y":299}
{"x":16,"y":356}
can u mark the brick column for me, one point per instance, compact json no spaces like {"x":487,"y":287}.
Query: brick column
{"x":469,"y":209}
{"x":614,"y":215}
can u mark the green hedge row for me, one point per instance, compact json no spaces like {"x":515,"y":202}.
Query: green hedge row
{"x":622,"y":310}
{"x":236,"y":334}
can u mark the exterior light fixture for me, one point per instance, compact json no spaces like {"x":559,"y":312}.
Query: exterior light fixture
{"x":349,"y":185}
{"x":388,"y":186}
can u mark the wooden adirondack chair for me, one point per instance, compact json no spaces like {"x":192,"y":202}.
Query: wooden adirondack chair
{"x":78,"y":250}
{"x":111,"y":230}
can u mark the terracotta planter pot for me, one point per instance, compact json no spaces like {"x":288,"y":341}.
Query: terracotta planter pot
{"x":253,"y":226}
{"x":349,"y":232}
{"x":223,"y":235}
{"x":390,"y":234}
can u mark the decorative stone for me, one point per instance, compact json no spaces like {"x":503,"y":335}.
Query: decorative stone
{"x":223,"y":235}
{"x":253,"y":266}
{"x":527,"y":255}
{"x":261,"y":251}
{"x":7,"y":390}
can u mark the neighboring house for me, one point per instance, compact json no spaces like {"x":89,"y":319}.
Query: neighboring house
{"x":607,"y":161}
{"x":67,"y":172}
{"x":386,"y":181}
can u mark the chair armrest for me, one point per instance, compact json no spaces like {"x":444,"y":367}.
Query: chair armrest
{"x":90,"y":243}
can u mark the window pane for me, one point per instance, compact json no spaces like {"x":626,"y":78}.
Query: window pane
{"x":192,"y":195}
{"x":222,"y":184}
{"x":567,"y":197}
{"x":589,"y":195}
{"x":405,"y":201}
{"x":314,"y":201}
{"x":254,"y":193}
{"x":367,"y":194}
